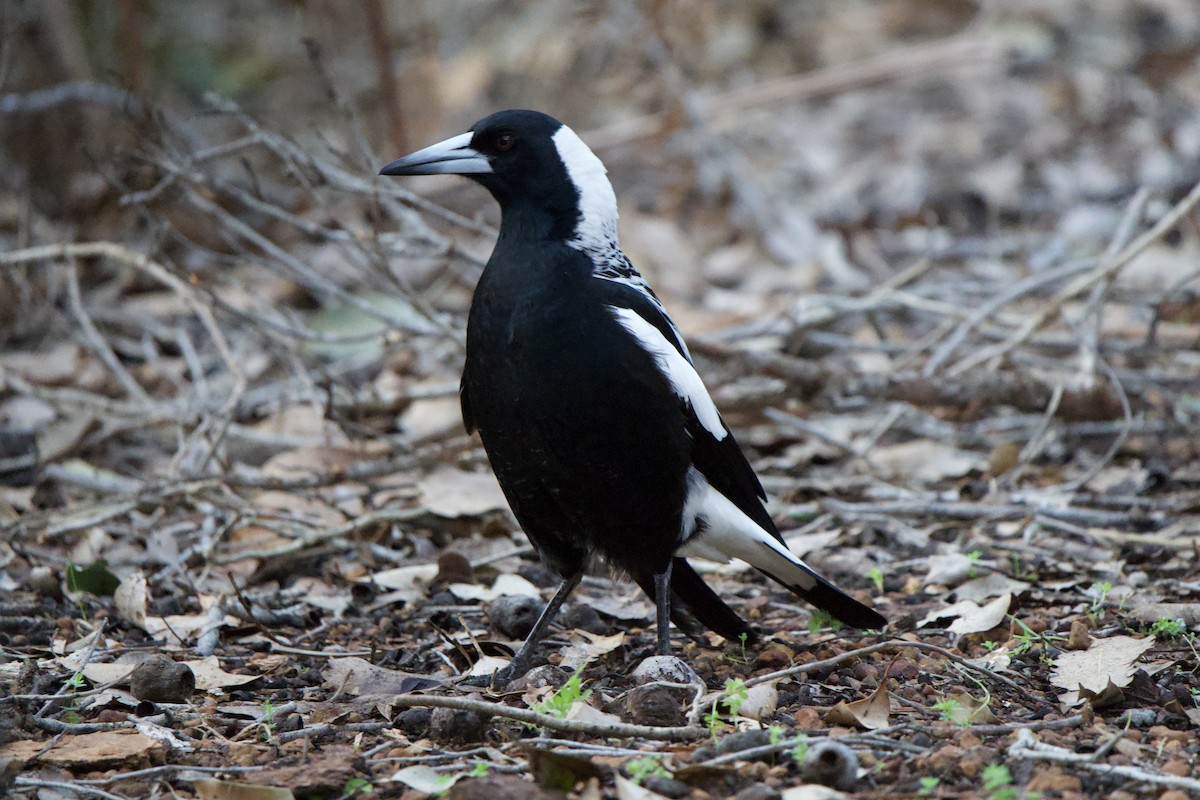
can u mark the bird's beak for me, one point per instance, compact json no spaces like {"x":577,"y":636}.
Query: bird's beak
{"x":454,"y":156}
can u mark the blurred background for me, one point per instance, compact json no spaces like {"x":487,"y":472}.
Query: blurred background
{"x":938,"y":262}
{"x":872,"y":188}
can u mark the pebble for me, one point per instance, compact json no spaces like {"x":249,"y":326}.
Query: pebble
{"x":162,"y":680}
{"x":657,"y":704}
{"x":831,"y":764}
{"x":455,"y":726}
{"x":514,"y":616}
{"x":665,"y":669}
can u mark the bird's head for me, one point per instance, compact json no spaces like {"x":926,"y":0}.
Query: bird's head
{"x":533,"y":165}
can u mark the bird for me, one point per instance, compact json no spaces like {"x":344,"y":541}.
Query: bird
{"x":592,"y":414}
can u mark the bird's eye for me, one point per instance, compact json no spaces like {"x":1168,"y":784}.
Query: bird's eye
{"x":505,"y":142}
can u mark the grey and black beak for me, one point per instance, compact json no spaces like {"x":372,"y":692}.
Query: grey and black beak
{"x":455,"y":156}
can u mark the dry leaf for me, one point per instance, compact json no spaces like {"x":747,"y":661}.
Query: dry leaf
{"x":104,"y":674}
{"x":209,"y":675}
{"x":450,"y":492}
{"x":582,"y":712}
{"x":357,"y":676}
{"x":632,"y":608}
{"x":761,"y":701}
{"x":993,"y":584}
{"x":426,"y":779}
{"x":871,"y":712}
{"x":586,"y":647}
{"x":507,"y":585}
{"x":408,"y":582}
{"x":628,"y":790}
{"x":131,"y":598}
{"x":812,"y":791}
{"x":1100,"y":672}
{"x":963,"y":709}
{"x":970,"y":617}
{"x":947,"y":569}
{"x":213,"y":789}
{"x":925,"y":461}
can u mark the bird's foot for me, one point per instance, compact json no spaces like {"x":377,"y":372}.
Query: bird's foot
{"x":501,"y":678}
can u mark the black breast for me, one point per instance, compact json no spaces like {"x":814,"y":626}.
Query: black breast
{"x":583,"y":431}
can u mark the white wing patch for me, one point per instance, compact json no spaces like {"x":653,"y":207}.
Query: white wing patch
{"x":596,"y":230}
{"x":678,"y":370}
{"x":727,"y":533}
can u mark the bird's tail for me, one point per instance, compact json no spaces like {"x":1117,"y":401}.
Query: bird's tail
{"x":841,"y":606}
{"x":693,"y":600}
{"x":773,"y":559}
{"x":729,"y":533}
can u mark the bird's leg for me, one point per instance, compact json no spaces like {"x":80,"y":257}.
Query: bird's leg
{"x":662,"y":599}
{"x":520,"y":662}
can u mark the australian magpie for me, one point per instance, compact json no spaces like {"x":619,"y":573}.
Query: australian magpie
{"x":598,"y":427}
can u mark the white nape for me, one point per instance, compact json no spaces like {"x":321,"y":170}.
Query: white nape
{"x":596,"y":230}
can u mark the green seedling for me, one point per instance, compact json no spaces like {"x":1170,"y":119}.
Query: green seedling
{"x":643,"y":767}
{"x":1165,"y":628}
{"x":800,"y":751}
{"x":927,"y":785}
{"x":357,"y":785}
{"x":559,"y":703}
{"x":823,"y":619}
{"x":875,"y":576}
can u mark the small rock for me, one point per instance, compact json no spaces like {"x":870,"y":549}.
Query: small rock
{"x":585,"y":618}
{"x":774,"y":656}
{"x":665,"y":669}
{"x":44,"y":582}
{"x":832,"y":764}
{"x":500,"y":787}
{"x":1173,"y":794}
{"x":1177,"y":767}
{"x":1078,"y":639}
{"x":744,"y":740}
{"x":1138,"y":718}
{"x":667,"y":787}
{"x":414,"y":722}
{"x":657,"y":704}
{"x":759,"y":791}
{"x":452,"y":568}
{"x":514,"y":616}
{"x":161,"y":680}
{"x":1054,"y":781}
{"x":905,"y":669}
{"x":455,"y":726}
{"x":540,"y":677}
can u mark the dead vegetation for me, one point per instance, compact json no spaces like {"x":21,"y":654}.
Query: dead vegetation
{"x":940,"y":266}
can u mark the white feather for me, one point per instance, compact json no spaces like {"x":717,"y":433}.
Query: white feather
{"x":596,"y":230}
{"x":727,"y":533}
{"x":678,"y":371}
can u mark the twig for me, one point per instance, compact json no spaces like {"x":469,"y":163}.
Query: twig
{"x":68,"y":786}
{"x":817,"y":666}
{"x":605,"y":729}
{"x":974,"y":511}
{"x":1027,"y":747}
{"x":1104,"y":270}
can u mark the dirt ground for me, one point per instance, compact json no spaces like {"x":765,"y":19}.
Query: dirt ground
{"x":937,"y":261}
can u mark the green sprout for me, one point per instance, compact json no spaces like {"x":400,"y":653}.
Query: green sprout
{"x":875,"y":576}
{"x":643,"y":767}
{"x":559,"y":703}
{"x":823,"y":619}
{"x":1165,"y":628}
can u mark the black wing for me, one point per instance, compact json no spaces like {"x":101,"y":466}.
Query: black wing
{"x":720,"y":461}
